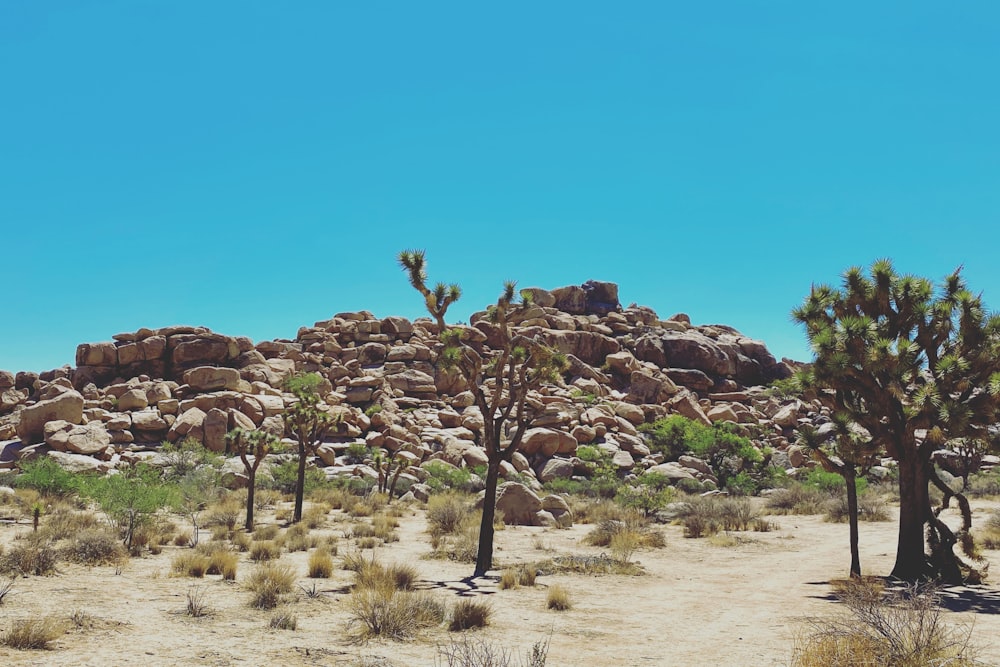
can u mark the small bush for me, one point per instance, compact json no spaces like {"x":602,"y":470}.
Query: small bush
{"x":63,"y":523}
{"x":903,"y":628}
{"x":467,"y":614}
{"x":197,"y":606}
{"x":624,"y":544}
{"x":241,"y":541}
{"x":6,"y":588}
{"x":263,"y":551}
{"x":315,"y":516}
{"x":190,"y":564}
{"x":36,"y":556}
{"x":34,"y":633}
{"x":797,"y":499}
{"x":445,"y":512}
{"x":391,"y":614}
{"x":222,"y":561}
{"x":477,"y":652}
{"x":48,"y":478}
{"x":94,"y":547}
{"x":320,"y":564}
{"x":283,"y":620}
{"x":265,"y":533}
{"x":373,"y":574}
{"x":557,"y":598}
{"x":268,"y":582}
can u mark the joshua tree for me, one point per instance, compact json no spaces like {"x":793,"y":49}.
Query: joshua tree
{"x":436,"y":300}
{"x":305,"y":421}
{"x":249,"y":445}
{"x":499,"y":381}
{"x":915,"y":367}
{"x":848,"y":452}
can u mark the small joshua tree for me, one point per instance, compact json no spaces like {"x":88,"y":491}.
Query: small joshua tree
{"x":249,"y":445}
{"x":499,"y":381}
{"x":305,"y":421}
{"x":436,"y":300}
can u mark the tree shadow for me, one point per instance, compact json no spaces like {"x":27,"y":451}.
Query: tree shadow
{"x":975,"y":599}
{"x":462,"y":587}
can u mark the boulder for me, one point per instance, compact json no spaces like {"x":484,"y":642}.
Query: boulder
{"x":87,"y":439}
{"x":77,"y":463}
{"x":67,"y":406}
{"x":518,"y":504}
{"x":547,"y":442}
{"x":133,"y":399}
{"x":646,"y":388}
{"x":685,"y":350}
{"x":215,"y":426}
{"x":556,"y":469}
{"x":212,"y":378}
{"x":602,"y":297}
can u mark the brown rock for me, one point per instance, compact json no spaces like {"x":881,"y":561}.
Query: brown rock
{"x":67,"y":406}
{"x":212,"y":378}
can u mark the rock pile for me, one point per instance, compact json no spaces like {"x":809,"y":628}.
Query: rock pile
{"x":627,"y":367}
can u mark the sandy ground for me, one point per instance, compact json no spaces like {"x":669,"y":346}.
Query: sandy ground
{"x":699,"y":604}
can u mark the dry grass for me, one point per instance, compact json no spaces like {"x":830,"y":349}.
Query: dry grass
{"x":391,"y":614}
{"x":34,"y":633}
{"x":94,"y":546}
{"x":265,"y":533}
{"x":197,"y":606}
{"x":477,"y":652}
{"x":797,"y":499}
{"x":521,"y":575}
{"x":283,"y":620}
{"x":190,"y":564}
{"x":373,"y":574}
{"x":320,"y":564}
{"x":468,"y":614}
{"x":264,"y":551}
{"x":34,"y":555}
{"x":557,"y":598}
{"x":901,"y":628}
{"x":268,"y":583}
{"x":446,"y":512}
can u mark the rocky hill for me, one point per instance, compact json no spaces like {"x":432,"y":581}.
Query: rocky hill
{"x":627,"y":367}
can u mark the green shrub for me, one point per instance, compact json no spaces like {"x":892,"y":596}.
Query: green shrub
{"x":46,"y":476}
{"x":831,"y":482}
{"x":284,"y":478}
{"x":129,"y":499}
{"x":358,"y":452}
{"x":441,"y":476}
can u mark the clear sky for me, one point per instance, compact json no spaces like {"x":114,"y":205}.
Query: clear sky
{"x":255,"y":166}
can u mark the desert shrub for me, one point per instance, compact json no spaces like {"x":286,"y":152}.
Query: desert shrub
{"x":983,"y":485}
{"x":268,"y":532}
{"x":442,"y":476}
{"x":589,"y":565}
{"x":190,"y":564}
{"x":445,"y":511}
{"x":333,"y":497}
{"x":383,"y":527}
{"x":283,"y":620}
{"x":315,"y":516}
{"x":33,"y":556}
{"x":477,"y":652}
{"x":373,"y":574}
{"x":360,"y":529}
{"x":359,"y":452}
{"x":94,"y":546}
{"x":353,"y":561}
{"x":186,"y":456}
{"x":224,"y":562}
{"x":831,"y":482}
{"x":467,"y":614}
{"x":197,"y":605}
{"x":263,"y":551}
{"x":557,"y":598}
{"x":46,"y":476}
{"x":34,"y":633}
{"x":267,"y":583}
{"x":284,"y":478}
{"x":226,"y":512}
{"x":63,"y":522}
{"x":706,"y":516}
{"x":391,"y":614}
{"x":624,"y":544}
{"x":320,"y":564}
{"x":797,"y":499}
{"x":699,"y":525}
{"x":690,"y":486}
{"x":241,"y":541}
{"x":651,"y":494}
{"x":462,"y":544}
{"x":299,"y":542}
{"x":6,"y":588}
{"x":368,"y":543}
{"x":129,"y":499}
{"x":182,"y":539}
{"x":508,"y":579}
{"x":871,"y":507}
{"x":902,"y":628}
{"x":603,"y":534}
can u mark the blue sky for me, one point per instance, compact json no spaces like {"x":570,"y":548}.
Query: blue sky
{"x":255,"y":166}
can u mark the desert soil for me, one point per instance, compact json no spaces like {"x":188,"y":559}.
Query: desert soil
{"x":699,"y":603}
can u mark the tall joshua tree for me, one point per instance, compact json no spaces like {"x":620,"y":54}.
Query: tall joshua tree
{"x":305,"y":421}
{"x":916,"y":366}
{"x":500,"y":382}
{"x":850,"y":453}
{"x":252,"y":447}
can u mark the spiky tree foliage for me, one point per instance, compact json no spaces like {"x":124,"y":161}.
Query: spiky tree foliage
{"x":500,"y":382}
{"x":915,"y":366}
{"x":849,"y":452}
{"x":306,"y":422}
{"x":436,"y":300}
{"x":252,"y":447}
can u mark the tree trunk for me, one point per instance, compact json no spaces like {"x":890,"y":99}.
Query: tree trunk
{"x":850,"y":476}
{"x":251,"y":487}
{"x":484,"y":558}
{"x":914,"y":513}
{"x":300,"y":483}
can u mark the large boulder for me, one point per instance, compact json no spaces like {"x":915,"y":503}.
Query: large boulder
{"x":685,"y":350}
{"x":212,"y":378}
{"x":518,"y":504}
{"x":67,"y":406}
{"x":602,"y":298}
{"x":547,"y":442}
{"x":87,"y":439}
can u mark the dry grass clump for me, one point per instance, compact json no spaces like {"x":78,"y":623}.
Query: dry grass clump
{"x":385,"y":612}
{"x":34,"y":555}
{"x":268,"y":582}
{"x":264,"y":551}
{"x":871,"y":507}
{"x":797,"y":499}
{"x":334,"y":498}
{"x":989,"y":537}
{"x":373,"y":574}
{"x":557,"y":598}
{"x":64,"y":522}
{"x":590,"y":565}
{"x":94,"y":546}
{"x":226,"y":512}
{"x":902,"y":628}
{"x":468,"y":613}
{"x":630,"y":528}
{"x":197,"y":606}
{"x":34,"y":633}
{"x":6,"y":588}
{"x":320,"y":564}
{"x":221,"y":560}
{"x":283,"y":620}
{"x":446,"y":512}
{"x":521,"y":575}
{"x":704,"y":516}
{"x":477,"y":652}
{"x":265,"y":533}
{"x":462,"y":544}
{"x":315,"y":516}
{"x":383,"y":527}
{"x":240,"y":541}
{"x":368,"y":542}
{"x":190,"y":564}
